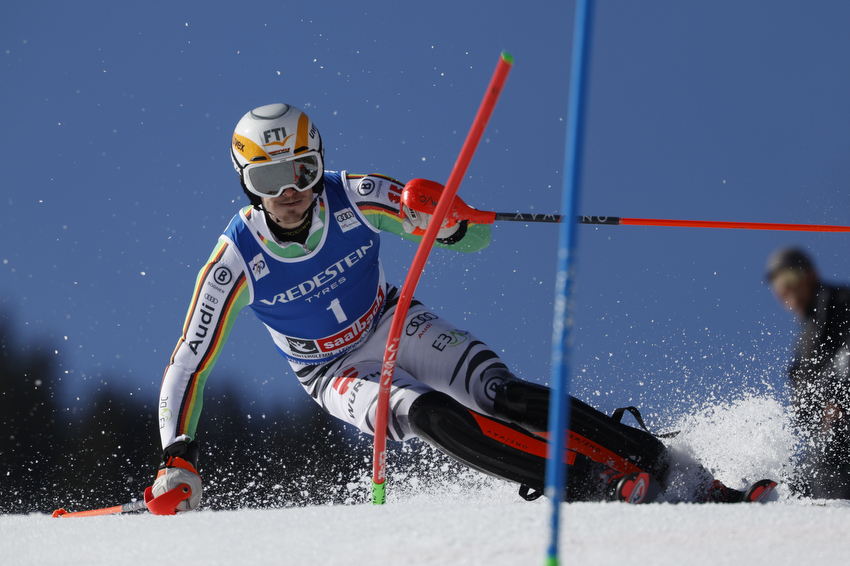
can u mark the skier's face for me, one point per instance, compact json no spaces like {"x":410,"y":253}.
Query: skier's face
{"x":794,"y":289}
{"x":288,"y":209}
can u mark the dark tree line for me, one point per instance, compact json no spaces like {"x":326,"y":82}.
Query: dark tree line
{"x":107,"y":453}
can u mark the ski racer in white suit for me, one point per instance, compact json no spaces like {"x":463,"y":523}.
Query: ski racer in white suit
{"x":304,"y":256}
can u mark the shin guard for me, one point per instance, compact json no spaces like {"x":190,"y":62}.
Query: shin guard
{"x":592,"y":433}
{"x":498,"y":448}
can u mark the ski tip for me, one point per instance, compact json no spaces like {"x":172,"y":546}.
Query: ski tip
{"x":59,"y":513}
{"x":507,"y":58}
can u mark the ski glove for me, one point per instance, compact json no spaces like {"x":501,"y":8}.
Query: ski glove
{"x":415,"y":222}
{"x":179,"y":463}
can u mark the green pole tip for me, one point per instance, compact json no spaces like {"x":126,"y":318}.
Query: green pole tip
{"x":551,"y":561}
{"x":508,"y":58}
{"x":379,"y":493}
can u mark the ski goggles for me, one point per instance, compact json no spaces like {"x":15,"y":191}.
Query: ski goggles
{"x":271,"y":179}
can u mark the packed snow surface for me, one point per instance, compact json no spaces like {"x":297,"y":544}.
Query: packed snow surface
{"x":478,"y":520}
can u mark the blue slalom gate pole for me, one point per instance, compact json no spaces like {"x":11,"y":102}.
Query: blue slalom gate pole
{"x":559,"y":407}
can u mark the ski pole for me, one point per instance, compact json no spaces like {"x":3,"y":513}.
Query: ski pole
{"x":126,"y":508}
{"x":617,"y":221}
{"x":379,"y":456}
{"x":423,"y":195}
{"x":165,"y":504}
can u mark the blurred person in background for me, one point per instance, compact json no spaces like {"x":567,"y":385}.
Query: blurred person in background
{"x":818,"y":373}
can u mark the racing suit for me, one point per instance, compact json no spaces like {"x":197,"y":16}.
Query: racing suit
{"x":327,"y":308}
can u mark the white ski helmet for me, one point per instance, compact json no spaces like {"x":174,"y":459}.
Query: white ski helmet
{"x":276,"y":147}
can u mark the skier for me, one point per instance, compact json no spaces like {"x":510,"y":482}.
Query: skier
{"x":304,"y":256}
{"x":819,"y":373}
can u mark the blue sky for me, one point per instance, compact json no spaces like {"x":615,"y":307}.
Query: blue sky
{"x":117,"y":178}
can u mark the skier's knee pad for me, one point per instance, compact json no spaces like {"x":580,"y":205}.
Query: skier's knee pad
{"x":492,"y":381}
{"x":431,"y":411}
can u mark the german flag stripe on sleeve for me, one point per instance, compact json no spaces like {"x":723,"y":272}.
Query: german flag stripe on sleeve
{"x":191,"y":405}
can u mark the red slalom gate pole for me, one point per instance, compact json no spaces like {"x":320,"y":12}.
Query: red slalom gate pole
{"x":379,"y":461}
